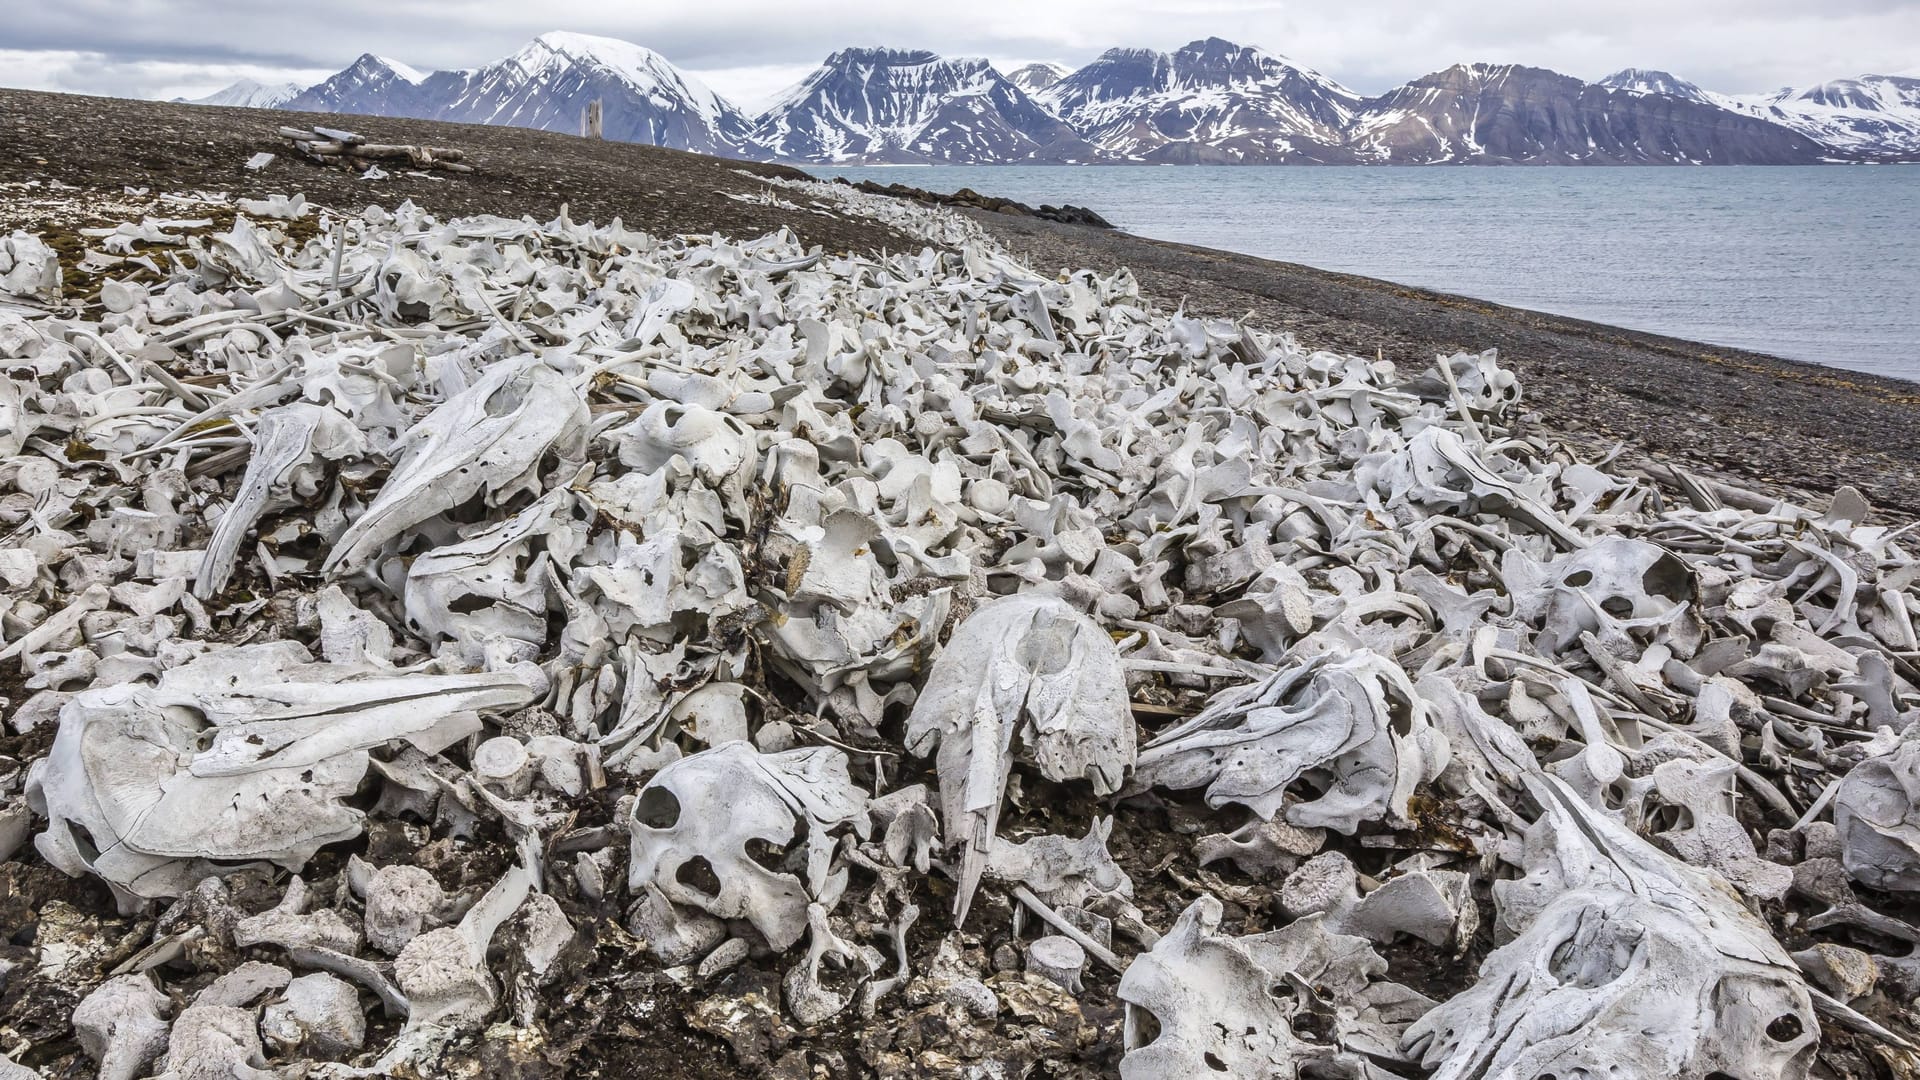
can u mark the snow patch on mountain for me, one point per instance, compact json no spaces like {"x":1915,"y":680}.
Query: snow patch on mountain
{"x":411,"y":74}
{"x":1034,"y":78}
{"x":901,"y":106}
{"x":1211,"y":100}
{"x":251,"y":94}
{"x":1872,"y":116}
{"x":373,"y":85}
{"x":549,"y":56}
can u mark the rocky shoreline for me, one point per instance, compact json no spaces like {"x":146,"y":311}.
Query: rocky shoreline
{"x":969,"y":199}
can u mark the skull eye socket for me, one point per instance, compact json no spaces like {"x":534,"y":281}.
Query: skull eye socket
{"x":697,"y":874}
{"x":771,"y":857}
{"x":1575,"y":580}
{"x":657,"y":809}
{"x":1785,"y":1028}
{"x":1667,"y":577}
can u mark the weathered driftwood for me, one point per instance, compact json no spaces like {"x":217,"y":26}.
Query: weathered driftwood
{"x":331,"y":146}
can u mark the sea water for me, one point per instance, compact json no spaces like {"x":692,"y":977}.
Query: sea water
{"x":1816,"y":263}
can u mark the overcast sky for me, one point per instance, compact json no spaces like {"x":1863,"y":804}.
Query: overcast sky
{"x":750,"y":49}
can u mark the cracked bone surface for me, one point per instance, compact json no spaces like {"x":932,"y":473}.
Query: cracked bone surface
{"x":1024,"y":676}
{"x":356,"y":625}
{"x":1203,"y":1002}
{"x":1623,"y":958}
{"x":705,"y":828}
{"x":1352,"y":716}
{"x":243,"y":754}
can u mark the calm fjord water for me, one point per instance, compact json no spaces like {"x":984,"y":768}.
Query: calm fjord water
{"x":1813,"y":263}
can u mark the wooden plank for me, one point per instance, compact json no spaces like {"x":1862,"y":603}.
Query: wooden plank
{"x":337,"y":135}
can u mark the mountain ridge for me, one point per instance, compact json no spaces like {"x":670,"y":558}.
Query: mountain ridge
{"x":1212,"y":101}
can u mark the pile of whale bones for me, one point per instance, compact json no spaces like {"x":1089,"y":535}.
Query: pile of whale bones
{"x":823,"y":572}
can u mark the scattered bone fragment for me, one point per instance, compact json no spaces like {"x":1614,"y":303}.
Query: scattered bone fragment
{"x":1844,"y":972}
{"x":1877,"y":813}
{"x":399,"y":902}
{"x":443,"y":972}
{"x":1059,"y":959}
{"x":318,"y":1014}
{"x":122,"y":1025}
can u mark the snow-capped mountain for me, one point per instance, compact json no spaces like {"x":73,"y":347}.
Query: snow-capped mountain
{"x":371,"y":86}
{"x":1034,"y":78}
{"x":1648,"y":81}
{"x":1873,"y":116}
{"x":897,"y":106}
{"x":1211,"y":101}
{"x":1507,"y":114}
{"x":549,"y":83}
{"x":249,"y":94}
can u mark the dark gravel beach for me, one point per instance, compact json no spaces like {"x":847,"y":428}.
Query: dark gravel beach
{"x":1754,"y":420}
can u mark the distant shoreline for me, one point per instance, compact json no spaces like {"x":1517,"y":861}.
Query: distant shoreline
{"x":1786,"y":426}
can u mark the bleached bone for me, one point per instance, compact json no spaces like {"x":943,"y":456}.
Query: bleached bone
{"x":216,"y":1042}
{"x":706,"y":814}
{"x":539,"y":934}
{"x":1877,"y":810}
{"x":1712,"y":836}
{"x":244,"y":985}
{"x":809,"y":999}
{"x":1354,"y":715}
{"x":1624,"y":958}
{"x":273,"y":757}
{"x":1326,"y":884}
{"x":122,"y":1025}
{"x":489,"y":438}
{"x":739,"y":467}
{"x":1026,"y":670}
{"x":1060,"y":870}
{"x":1627,"y":579}
{"x":290,"y":925}
{"x":1260,"y":848}
{"x":288,"y":442}
{"x":502,"y":763}
{"x":318,"y":1014}
{"x":1201,"y":1002}
{"x":489,"y":589}
{"x":909,"y":827}
{"x":28,"y":268}
{"x":1436,"y":906}
{"x":400,"y":901}
{"x":1059,"y":960}
{"x":443,"y":972}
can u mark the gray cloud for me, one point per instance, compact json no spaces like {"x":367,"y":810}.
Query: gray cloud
{"x":746,"y":48}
